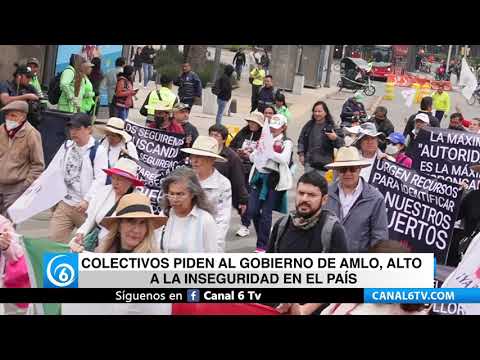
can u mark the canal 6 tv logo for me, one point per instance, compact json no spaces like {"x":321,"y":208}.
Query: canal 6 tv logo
{"x":60,"y":270}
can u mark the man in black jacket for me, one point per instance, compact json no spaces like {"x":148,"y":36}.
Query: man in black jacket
{"x":239,"y":60}
{"x":383,"y":124}
{"x":189,"y":85}
{"x":425,"y":107}
{"x":223,"y":90}
{"x":147,"y":55}
{"x":352,"y":107}
{"x":181,"y":113}
{"x":232,"y":169}
{"x":266,"y":95}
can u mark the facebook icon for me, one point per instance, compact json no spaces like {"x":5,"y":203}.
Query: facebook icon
{"x":193,"y":295}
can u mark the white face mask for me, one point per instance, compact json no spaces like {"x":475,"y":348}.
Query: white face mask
{"x":392,"y":149}
{"x":11,"y":124}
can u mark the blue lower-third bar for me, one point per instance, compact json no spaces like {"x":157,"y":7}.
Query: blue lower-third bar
{"x":421,"y":296}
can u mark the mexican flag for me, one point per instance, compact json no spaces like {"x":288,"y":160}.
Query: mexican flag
{"x":34,"y":250}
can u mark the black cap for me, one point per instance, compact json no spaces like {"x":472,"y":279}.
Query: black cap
{"x":80,"y":119}
{"x":24,"y":70}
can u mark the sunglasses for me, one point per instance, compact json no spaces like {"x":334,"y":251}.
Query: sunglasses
{"x":352,"y":169}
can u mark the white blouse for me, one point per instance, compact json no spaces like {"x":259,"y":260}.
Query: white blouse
{"x":194,"y":233}
{"x":114,"y":151}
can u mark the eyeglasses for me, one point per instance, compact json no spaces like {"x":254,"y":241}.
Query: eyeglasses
{"x":352,"y":169}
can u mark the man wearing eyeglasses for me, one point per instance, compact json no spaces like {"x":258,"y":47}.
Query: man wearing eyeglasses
{"x":359,"y":206}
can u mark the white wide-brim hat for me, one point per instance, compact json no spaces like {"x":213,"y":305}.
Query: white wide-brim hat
{"x":205,"y":146}
{"x":348,"y":156}
{"x":117,"y":126}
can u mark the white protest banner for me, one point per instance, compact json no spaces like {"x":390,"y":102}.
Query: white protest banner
{"x":468,"y":80}
{"x":264,"y":149}
{"x":409,"y":96}
{"x":467,"y":274}
{"x":159,"y":154}
{"x":44,"y":193}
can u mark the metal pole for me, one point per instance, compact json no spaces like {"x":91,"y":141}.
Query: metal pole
{"x":218,"y":52}
{"x":300,"y":62}
{"x":329,"y":65}
{"x":449,"y":54}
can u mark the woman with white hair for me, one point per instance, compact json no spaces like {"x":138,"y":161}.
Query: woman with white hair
{"x":190,"y":226}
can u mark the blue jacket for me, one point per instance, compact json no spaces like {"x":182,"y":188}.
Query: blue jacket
{"x":190,"y":86}
{"x":366,"y":222}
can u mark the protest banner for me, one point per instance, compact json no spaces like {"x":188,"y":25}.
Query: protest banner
{"x":421,"y":210}
{"x":467,"y":80}
{"x":159,"y":154}
{"x":447,"y":155}
{"x":34,"y":251}
{"x":467,"y":275}
{"x":44,"y":193}
{"x":264,"y":150}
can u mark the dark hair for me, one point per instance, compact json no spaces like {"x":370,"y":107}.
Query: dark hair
{"x":456,"y":115}
{"x":393,"y":246}
{"x":328,"y":117}
{"x":222,"y":130}
{"x":121,"y":61}
{"x":127,"y":71}
{"x":269,"y":76}
{"x":281,"y":97}
{"x":270,"y":107}
{"x":315,"y":179}
{"x":165,"y":80}
{"x":426,"y":103}
{"x":381,"y":109}
{"x":97,"y":62}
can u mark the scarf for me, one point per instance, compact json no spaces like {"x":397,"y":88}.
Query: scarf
{"x":11,"y":133}
{"x":73,"y":166}
{"x":305,"y":223}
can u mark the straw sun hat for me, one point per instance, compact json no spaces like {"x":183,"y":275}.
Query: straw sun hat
{"x":205,"y":146}
{"x":348,"y":156}
{"x":116,"y":126}
{"x":134,"y":206}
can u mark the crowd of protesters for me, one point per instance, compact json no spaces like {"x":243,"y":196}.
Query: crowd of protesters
{"x":102,"y":176}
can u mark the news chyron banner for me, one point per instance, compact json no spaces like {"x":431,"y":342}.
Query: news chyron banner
{"x":421,"y":210}
{"x":216,"y":271}
{"x":447,"y":155}
{"x":159,"y":154}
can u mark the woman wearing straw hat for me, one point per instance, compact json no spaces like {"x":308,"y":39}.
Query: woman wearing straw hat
{"x":359,"y":206}
{"x":124,"y":180}
{"x":190,"y":226}
{"x":117,"y":141}
{"x":203,"y":154}
{"x":131,"y":230}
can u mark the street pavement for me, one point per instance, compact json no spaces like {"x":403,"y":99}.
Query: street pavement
{"x":300,"y":107}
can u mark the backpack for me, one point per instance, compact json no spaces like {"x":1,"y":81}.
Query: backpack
{"x":91,"y":155}
{"x":54,"y":91}
{"x":326,"y":234}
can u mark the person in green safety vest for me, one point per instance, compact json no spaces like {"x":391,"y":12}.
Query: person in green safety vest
{"x":163,"y":96}
{"x":89,"y":98}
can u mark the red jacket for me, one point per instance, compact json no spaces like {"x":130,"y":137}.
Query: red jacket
{"x":124,"y":93}
{"x":174,"y":127}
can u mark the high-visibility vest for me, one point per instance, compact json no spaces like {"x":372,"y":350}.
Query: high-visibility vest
{"x":167,"y":98}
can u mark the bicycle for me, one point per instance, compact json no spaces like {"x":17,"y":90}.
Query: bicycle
{"x":475,"y":97}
